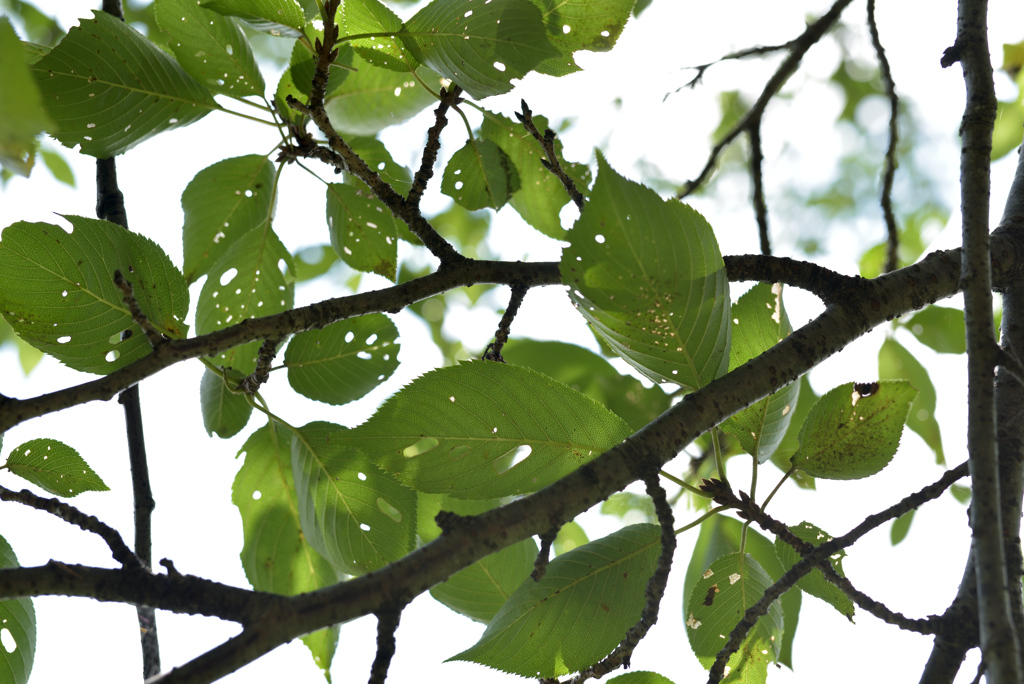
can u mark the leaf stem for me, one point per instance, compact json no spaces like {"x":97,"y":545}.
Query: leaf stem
{"x":784,"y":478}
{"x":685,"y":485}
{"x":698,"y":521}
{"x":719,"y":459}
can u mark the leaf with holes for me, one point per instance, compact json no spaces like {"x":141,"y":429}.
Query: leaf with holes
{"x":276,"y":557}
{"x":481,"y":49}
{"x":574,"y":25}
{"x":730,"y":586}
{"x":224,"y":412}
{"x":18,"y":619}
{"x":357,"y":517}
{"x":647,"y":274}
{"x":108,"y":88}
{"x":283,"y":18}
{"x":210,"y":47}
{"x":480,"y":175}
{"x":371,"y":99}
{"x":297,"y":80}
{"x":246,"y":282}
{"x":357,"y":17}
{"x":343,"y":361}
{"x":854,"y":430}
{"x":223,"y":202}
{"x":759,"y":323}
{"x":55,"y":467}
{"x":483,"y":429}
{"x":376,"y":155}
{"x":814,"y":583}
{"x":57,"y":291}
{"x":22,"y":117}
{"x":577,"y":613}
{"x":540,"y":196}
{"x":895,"y":362}
{"x":364,"y":232}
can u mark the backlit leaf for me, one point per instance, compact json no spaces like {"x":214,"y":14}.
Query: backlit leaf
{"x":364,"y":233}
{"x":224,"y":412}
{"x":108,"y":88}
{"x":791,"y":442}
{"x":647,"y":274}
{"x":22,"y":116}
{"x":814,"y":582}
{"x":484,"y":429}
{"x":901,"y":527}
{"x":895,"y":362}
{"x":640,"y":677}
{"x":276,"y":17}
{"x":577,"y":613}
{"x":940,"y":328}
{"x":57,"y":291}
{"x":480,"y":175}
{"x":372,"y":98}
{"x":574,"y":25}
{"x":55,"y":467}
{"x":18,"y":618}
{"x":58,"y":166}
{"x":854,"y":430}
{"x":343,"y":361}
{"x":371,"y":16}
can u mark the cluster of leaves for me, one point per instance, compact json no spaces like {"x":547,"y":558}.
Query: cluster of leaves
{"x":336,"y":502}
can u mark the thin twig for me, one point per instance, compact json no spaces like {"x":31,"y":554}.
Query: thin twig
{"x":426,"y":170}
{"x":264,"y":358}
{"x":756,"y":51}
{"x":757,"y":180}
{"x":387,"y":624}
{"x":493,"y":351}
{"x":547,"y":142}
{"x":889,"y":170}
{"x":128,"y":294}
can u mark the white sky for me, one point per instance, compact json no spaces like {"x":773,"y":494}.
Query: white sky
{"x":195,"y":524}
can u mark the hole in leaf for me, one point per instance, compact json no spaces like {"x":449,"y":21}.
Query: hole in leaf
{"x":112,"y":355}
{"x":257,"y":495}
{"x":7,"y":639}
{"x":420,"y":447}
{"x":350,"y":336}
{"x":227,"y":276}
{"x":599,"y":239}
{"x":371,"y":339}
{"x":511,"y":458}
{"x":364,"y":527}
{"x":63,"y":339}
{"x":361,"y":476}
{"x":389,"y":510}
{"x":365,"y":356}
{"x":499,"y":66}
{"x":458,"y":185}
{"x":566,"y":28}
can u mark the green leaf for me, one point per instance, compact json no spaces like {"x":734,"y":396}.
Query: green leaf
{"x":854,"y":430}
{"x":22,"y":116}
{"x":483,"y":430}
{"x":721,"y":535}
{"x":480,"y":175}
{"x":57,"y":291}
{"x":759,"y":323}
{"x":364,"y":233}
{"x":55,"y":467}
{"x":108,"y":88}
{"x":343,"y":361}
{"x":895,"y":362}
{"x":481,"y":49}
{"x":224,"y":412}
{"x":210,"y":47}
{"x":940,"y":328}
{"x":58,"y":166}
{"x":570,"y":536}
{"x":247,"y":281}
{"x":480,"y":590}
{"x":586,"y":372}
{"x":376,"y":155}
{"x":791,"y":442}
{"x":1006,"y":136}
{"x":18,"y":618}
{"x":370,"y":16}
{"x":577,"y":613}
{"x":357,"y":517}
{"x":901,"y":527}
{"x":814,"y":582}
{"x":297,"y":80}
{"x":312,"y":262}
{"x":574,"y":25}
{"x":223,"y":202}
{"x":647,"y":274}
{"x":730,"y":586}
{"x":540,"y":196}
{"x":626,"y":505}
{"x":276,"y":557}
{"x":282,"y":18}
{"x":371,"y":99}
{"x":640,"y":677}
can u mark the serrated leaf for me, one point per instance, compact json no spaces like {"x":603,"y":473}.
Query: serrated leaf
{"x":759,"y":322}
{"x":224,"y":412}
{"x":210,"y":47}
{"x":276,"y":557}
{"x":357,"y":17}
{"x":58,"y":166}
{"x":18,"y":617}
{"x":791,"y":442}
{"x":480,"y":49}
{"x":376,"y":155}
{"x":482,"y":430}
{"x":282,"y":18}
{"x":940,"y":328}
{"x":54,"y":467}
{"x":730,"y":586}
{"x":22,"y":116}
{"x":57,"y":291}
{"x":854,"y":430}
{"x":574,"y":25}
{"x":247,"y":281}
{"x":640,"y":677}
{"x":814,"y":582}
{"x":357,"y":517}
{"x":344,"y":360}
{"x":894,"y":361}
{"x":107,"y":88}
{"x":297,"y":80}
{"x":901,"y":527}
{"x":372,"y":98}
{"x":577,"y":613}
{"x":221,"y":203}
{"x":364,"y":233}
{"x":647,"y":274}
{"x":585,"y":371}
{"x":480,"y":175}
{"x":540,"y":196}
